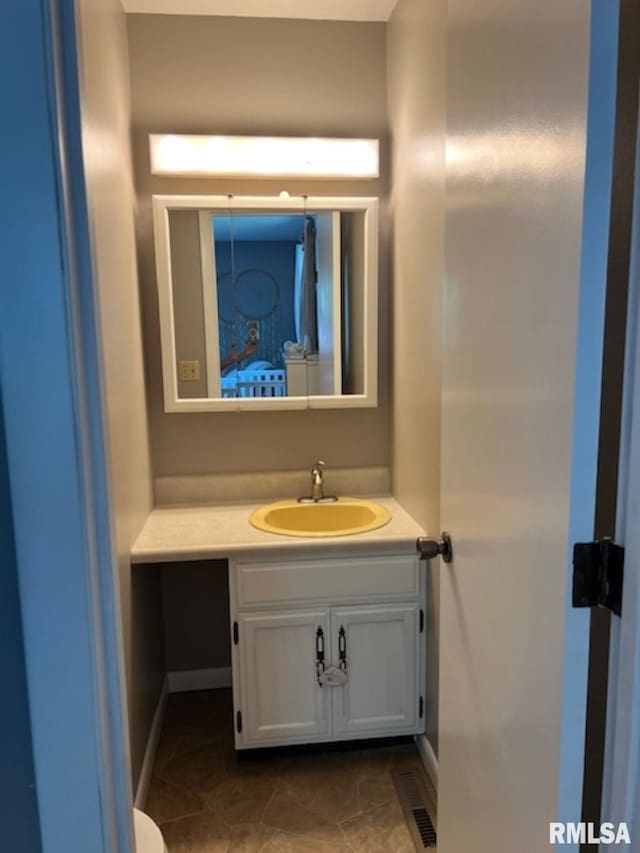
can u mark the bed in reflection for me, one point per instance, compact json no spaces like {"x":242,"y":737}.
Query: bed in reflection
{"x":254,"y":381}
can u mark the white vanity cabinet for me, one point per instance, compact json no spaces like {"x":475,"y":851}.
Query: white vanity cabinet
{"x":273,"y":671}
{"x":381,"y":694}
{"x":293,"y":619}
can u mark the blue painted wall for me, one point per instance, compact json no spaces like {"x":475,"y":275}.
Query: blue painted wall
{"x":255,"y":294}
{"x":18,"y":804}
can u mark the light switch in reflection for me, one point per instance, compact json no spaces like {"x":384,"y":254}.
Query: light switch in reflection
{"x":189,"y":371}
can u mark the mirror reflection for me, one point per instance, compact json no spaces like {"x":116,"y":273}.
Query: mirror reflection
{"x":277,"y":304}
{"x":269,"y":304}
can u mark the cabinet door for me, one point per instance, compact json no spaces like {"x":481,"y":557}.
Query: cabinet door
{"x":381,"y":693}
{"x":280,"y":698}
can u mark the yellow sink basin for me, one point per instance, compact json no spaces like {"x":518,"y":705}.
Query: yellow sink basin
{"x":343,"y":518}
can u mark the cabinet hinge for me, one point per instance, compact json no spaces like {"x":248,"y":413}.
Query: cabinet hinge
{"x":421,"y":621}
{"x":236,"y":634}
{"x":421,"y":708}
{"x":598,"y":574}
{"x":239,"y":721}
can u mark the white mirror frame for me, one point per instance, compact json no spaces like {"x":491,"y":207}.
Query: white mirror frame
{"x":163,"y":204}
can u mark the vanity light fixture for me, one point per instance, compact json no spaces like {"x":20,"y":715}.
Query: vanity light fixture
{"x":264,"y":156}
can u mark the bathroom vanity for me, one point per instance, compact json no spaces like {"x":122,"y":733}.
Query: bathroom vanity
{"x":326,"y":649}
{"x":327,"y":634}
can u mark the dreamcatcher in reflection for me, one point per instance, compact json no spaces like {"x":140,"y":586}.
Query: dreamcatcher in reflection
{"x":249,"y":322}
{"x":252,"y":298}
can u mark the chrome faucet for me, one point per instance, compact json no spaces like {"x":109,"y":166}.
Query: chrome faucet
{"x":317,"y":481}
{"x":317,"y":495}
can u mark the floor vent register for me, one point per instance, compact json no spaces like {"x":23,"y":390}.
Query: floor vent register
{"x":412,"y":793}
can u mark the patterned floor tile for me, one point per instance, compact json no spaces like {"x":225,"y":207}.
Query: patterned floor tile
{"x":167,"y":802}
{"x":382,"y":830}
{"x":203,"y":833}
{"x":290,"y":816}
{"x":210,"y":799}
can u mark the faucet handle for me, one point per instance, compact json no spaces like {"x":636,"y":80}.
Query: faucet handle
{"x":318,"y":466}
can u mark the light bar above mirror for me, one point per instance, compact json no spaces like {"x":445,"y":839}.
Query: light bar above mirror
{"x":264,"y":156}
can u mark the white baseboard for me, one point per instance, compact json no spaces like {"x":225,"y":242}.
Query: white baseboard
{"x":429,"y":758}
{"x":198,"y":679}
{"x":150,"y":752}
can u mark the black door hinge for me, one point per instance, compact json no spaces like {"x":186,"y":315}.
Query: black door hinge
{"x":421,"y":621}
{"x":421,"y":708}
{"x":239,"y":721}
{"x":598,"y":574}
{"x":236,"y":634}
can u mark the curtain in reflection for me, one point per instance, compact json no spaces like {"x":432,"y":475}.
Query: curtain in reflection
{"x":305,"y":308}
{"x":297,"y":292}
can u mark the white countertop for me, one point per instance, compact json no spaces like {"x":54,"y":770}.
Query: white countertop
{"x":223,"y":530}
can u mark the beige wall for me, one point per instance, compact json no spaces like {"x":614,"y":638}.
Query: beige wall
{"x":254,"y":76}
{"x":108,"y":171}
{"x":417,"y":36}
{"x":188,"y":307}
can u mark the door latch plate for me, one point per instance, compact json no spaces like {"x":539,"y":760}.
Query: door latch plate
{"x":333,"y":677}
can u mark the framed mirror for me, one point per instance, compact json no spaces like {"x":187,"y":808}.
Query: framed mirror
{"x":267,"y":302}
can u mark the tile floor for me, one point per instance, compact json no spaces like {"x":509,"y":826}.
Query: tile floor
{"x":207,"y":800}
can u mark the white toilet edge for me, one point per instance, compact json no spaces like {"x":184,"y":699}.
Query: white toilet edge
{"x":147,"y":835}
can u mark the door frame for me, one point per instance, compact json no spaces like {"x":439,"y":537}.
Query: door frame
{"x":620,"y":73}
{"x":55,"y":438}
{"x":621,"y":777}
